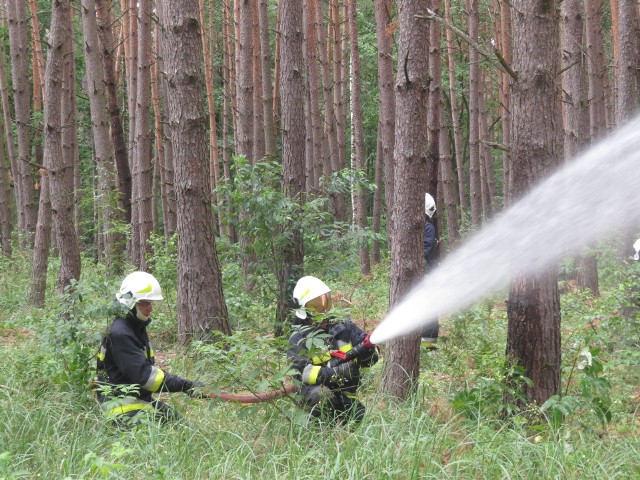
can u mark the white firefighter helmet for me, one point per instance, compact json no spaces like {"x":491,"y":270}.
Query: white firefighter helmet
{"x":139,"y":286}
{"x":429,"y":205}
{"x":636,"y":247}
{"x":306,"y":290}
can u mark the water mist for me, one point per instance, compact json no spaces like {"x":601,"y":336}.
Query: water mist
{"x":590,"y":198}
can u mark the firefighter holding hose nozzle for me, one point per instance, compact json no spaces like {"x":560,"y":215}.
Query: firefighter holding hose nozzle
{"x":329,"y":374}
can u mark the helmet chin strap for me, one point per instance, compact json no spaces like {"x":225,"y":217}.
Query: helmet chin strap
{"x":140,"y":316}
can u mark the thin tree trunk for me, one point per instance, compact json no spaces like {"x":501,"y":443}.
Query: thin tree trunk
{"x":447,"y":180}
{"x":167,"y":165}
{"x":259,"y":146}
{"x":7,"y":130}
{"x":455,"y":115}
{"x":214,"y":162}
{"x":70,"y":147}
{"x":339,"y":68}
{"x":433,"y":105}
{"x":329,"y":111}
{"x":505,"y":98}
{"x":103,"y":147}
{"x":358,"y":133}
{"x":18,"y":45}
{"x":267,"y":89}
{"x":142,"y":157}
{"x":41,"y":246}
{"x":384,"y":36}
{"x":60,"y":167}
{"x":314,"y":90}
{"x":292,"y":95}
{"x":105,"y":34}
{"x":485,"y":151}
{"x":377,"y":199}
{"x":5,"y":200}
{"x":474,"y":116}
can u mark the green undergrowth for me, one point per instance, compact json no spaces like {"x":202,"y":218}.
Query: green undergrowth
{"x":461,"y":422}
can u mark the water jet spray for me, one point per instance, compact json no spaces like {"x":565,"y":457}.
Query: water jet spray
{"x":594,"y":194}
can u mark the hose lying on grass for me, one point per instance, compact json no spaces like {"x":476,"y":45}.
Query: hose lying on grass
{"x":254,"y":397}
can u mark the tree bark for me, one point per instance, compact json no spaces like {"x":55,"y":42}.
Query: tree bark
{"x":201,"y":307}
{"x":18,"y":45}
{"x":5,"y":201}
{"x":214,"y":157}
{"x":267,"y":80}
{"x":455,"y":115}
{"x":358,"y":134}
{"x":142,"y":178}
{"x":41,"y":246}
{"x":384,"y":36}
{"x":103,"y":147}
{"x":412,"y":88}
{"x":329,"y":111}
{"x":107,"y":43}
{"x":292,"y":94}
{"x":533,"y":336}
{"x":59,"y":166}
{"x":474,"y":116}
{"x":167,"y":169}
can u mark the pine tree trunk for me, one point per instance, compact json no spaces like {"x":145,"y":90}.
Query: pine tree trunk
{"x":358,"y":133}
{"x":41,"y":246}
{"x":533,"y":336}
{"x":267,"y":80}
{"x":447,"y":180}
{"x":292,"y":94}
{"x":167,"y":175}
{"x":103,"y":9}
{"x":214,"y":160}
{"x":5,"y":200}
{"x":505,"y":99}
{"x":103,"y":147}
{"x":201,"y":307}
{"x":57,"y":109}
{"x":18,"y":45}
{"x":142,"y":156}
{"x":412,"y":89}
{"x":384,"y":36}
{"x":455,"y":116}
{"x":475,"y":184}
{"x":326,"y":46}
{"x":259,"y":146}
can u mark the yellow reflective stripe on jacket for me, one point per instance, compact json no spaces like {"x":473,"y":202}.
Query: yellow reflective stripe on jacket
{"x":320,"y":360}
{"x":154,"y":382}
{"x":124,"y":405}
{"x":346,"y":348}
{"x":102,"y":353}
{"x":310,"y":374}
{"x":313,"y":376}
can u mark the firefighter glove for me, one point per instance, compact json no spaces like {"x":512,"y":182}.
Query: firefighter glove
{"x":195,"y":389}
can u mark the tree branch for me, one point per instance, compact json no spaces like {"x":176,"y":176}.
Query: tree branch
{"x":501,"y":64}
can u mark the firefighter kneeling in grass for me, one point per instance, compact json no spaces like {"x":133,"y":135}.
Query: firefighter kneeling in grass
{"x":330,"y":372}
{"x":126,"y":372}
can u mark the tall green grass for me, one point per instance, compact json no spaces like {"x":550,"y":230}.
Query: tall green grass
{"x":453,"y":427}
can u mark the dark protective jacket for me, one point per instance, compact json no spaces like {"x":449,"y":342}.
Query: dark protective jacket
{"x":334,"y":335}
{"x":127,"y":358}
{"x":430,"y":248}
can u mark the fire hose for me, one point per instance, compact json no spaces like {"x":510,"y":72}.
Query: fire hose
{"x":337,"y":357}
